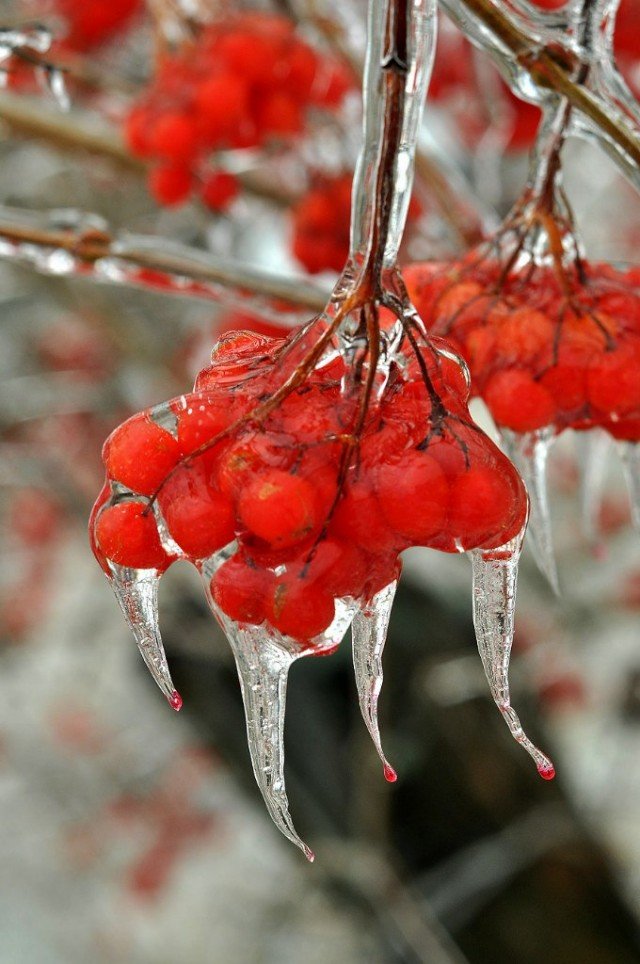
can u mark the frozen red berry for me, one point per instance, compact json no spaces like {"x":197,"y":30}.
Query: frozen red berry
{"x":127,"y":535}
{"x":140,"y":454}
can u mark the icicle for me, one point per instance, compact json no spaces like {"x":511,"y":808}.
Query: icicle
{"x":495,"y":573}
{"x":592,"y":450}
{"x":263,"y":659}
{"x":369,"y":633}
{"x":263,"y":667}
{"x":529,"y":454}
{"x":137,"y":593}
{"x":630,"y":455}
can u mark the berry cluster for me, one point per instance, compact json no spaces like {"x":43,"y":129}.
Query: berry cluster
{"x":91,"y":23}
{"x":543,"y":349}
{"x":311,"y":499}
{"x":321,"y":219}
{"x":247,"y":79}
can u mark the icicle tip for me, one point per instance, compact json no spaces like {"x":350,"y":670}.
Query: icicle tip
{"x":547,"y":772}
{"x":175,"y":701}
{"x":390,"y":774}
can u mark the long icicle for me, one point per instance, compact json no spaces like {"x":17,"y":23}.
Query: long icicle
{"x":495,"y":575}
{"x":529,"y":454}
{"x":137,"y":593}
{"x":263,"y":667}
{"x":369,"y":634}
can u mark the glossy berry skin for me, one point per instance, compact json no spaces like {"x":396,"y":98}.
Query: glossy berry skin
{"x":140,"y":454}
{"x":126,"y":534}
{"x":279,"y":507}
{"x":540,"y":357}
{"x":199,"y":517}
{"x":305,"y":527}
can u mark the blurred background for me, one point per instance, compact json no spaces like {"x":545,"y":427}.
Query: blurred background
{"x":131,"y":834}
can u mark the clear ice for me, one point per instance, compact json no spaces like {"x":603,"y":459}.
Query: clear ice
{"x":495,"y":575}
{"x":529,"y":452}
{"x":369,"y":634}
{"x":592,"y":448}
{"x":137,"y":593}
{"x":630,"y":455}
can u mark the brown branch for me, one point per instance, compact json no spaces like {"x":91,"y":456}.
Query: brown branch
{"x":171,"y":268}
{"x":71,"y":134}
{"x":464,"y":223}
{"x":546,"y":70}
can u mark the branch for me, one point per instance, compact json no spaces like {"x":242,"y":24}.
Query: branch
{"x":504,"y":40}
{"x":71,"y":134}
{"x":64,"y":245}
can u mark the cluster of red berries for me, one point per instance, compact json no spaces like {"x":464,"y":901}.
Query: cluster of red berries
{"x":91,"y":23}
{"x":541,"y":352}
{"x":313,"y":514}
{"x":320,"y":223}
{"x":246,"y":80}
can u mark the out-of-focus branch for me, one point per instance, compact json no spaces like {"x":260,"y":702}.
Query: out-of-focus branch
{"x":86,"y":251}
{"x":69,"y":133}
{"x":495,"y":31}
{"x":64,"y":131}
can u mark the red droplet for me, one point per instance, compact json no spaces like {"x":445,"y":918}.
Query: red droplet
{"x":390,"y":774}
{"x":175,"y":701}
{"x":547,"y":773}
{"x":309,"y":854}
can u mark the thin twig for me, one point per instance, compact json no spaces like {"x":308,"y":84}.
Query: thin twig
{"x":502,"y":35}
{"x":152,"y":263}
{"x":70,"y":133}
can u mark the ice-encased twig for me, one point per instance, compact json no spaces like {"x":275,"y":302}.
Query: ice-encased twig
{"x":369,"y":634}
{"x":137,"y":593}
{"x":495,"y":575}
{"x":592,"y":448}
{"x":529,"y":454}
{"x":630,"y":455}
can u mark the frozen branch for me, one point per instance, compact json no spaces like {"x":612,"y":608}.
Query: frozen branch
{"x":71,"y":245}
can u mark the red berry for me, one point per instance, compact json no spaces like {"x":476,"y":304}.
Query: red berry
{"x":203,"y":418}
{"x":140,"y":454}
{"x":170,"y":185}
{"x":173,"y":138}
{"x":241,"y":589}
{"x":613,"y":382}
{"x":518,"y":402}
{"x":129,"y":537}
{"x":358,"y":518}
{"x":487,"y":506}
{"x":279,"y":507}
{"x":219,"y":190}
{"x":299,"y":609}
{"x":200,"y":519}
{"x":413,"y":494}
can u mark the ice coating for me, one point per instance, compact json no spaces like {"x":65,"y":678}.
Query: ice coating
{"x":593,"y":448}
{"x":263,"y":659}
{"x":495,"y":574}
{"x":630,"y":454}
{"x":137,"y":593}
{"x":529,"y":454}
{"x":369,"y":634}
{"x":299,"y":469}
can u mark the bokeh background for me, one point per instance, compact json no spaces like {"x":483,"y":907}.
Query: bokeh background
{"x":131,"y":834}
